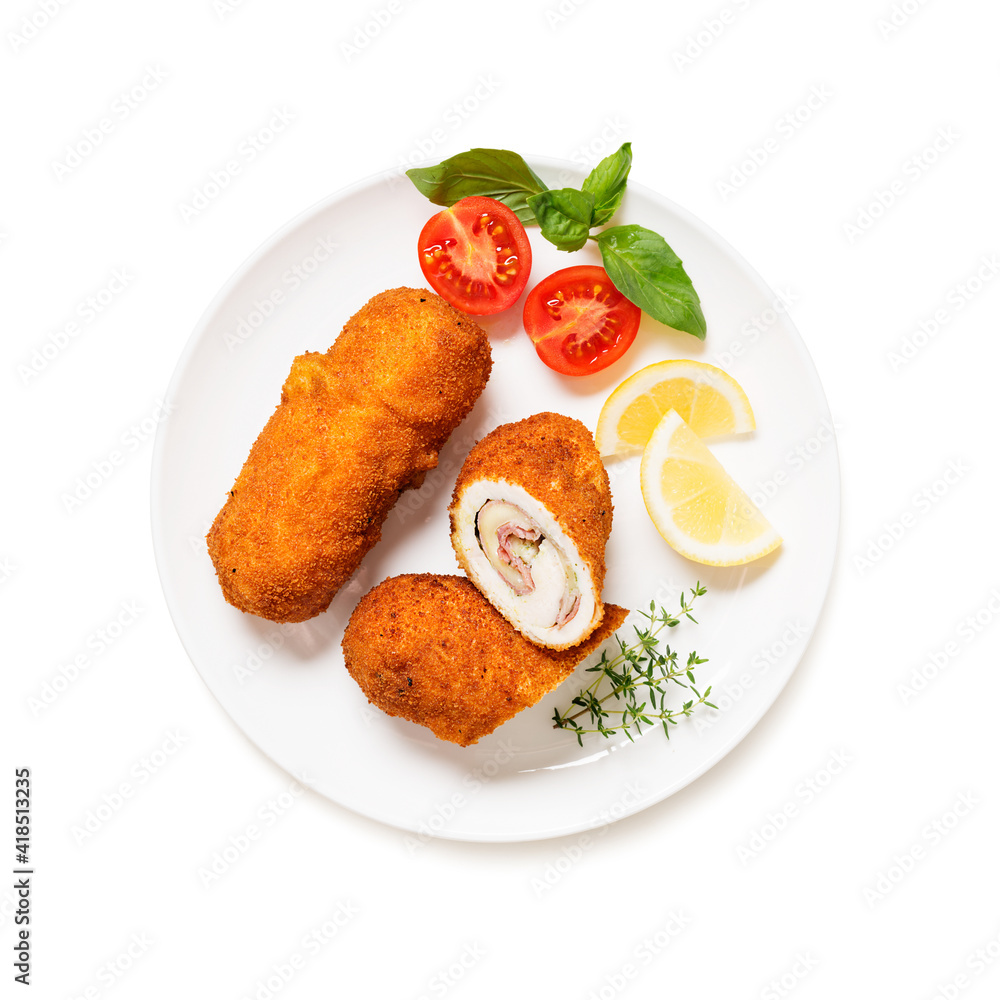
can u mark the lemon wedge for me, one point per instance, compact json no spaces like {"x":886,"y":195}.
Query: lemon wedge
{"x":695,"y":504}
{"x":711,"y":402}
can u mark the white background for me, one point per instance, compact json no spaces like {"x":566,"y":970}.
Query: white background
{"x":883,"y":881}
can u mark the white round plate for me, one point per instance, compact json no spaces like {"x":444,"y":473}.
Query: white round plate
{"x":286,"y":687}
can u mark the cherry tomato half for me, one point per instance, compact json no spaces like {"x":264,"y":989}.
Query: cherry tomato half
{"x":476,"y":255}
{"x":579,"y":322}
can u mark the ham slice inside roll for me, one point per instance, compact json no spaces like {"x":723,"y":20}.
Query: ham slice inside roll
{"x":527,"y":559}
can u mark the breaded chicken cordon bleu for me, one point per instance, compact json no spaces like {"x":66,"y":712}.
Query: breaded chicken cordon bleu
{"x":530,"y":516}
{"x":433,"y":650}
{"x":356,"y":425}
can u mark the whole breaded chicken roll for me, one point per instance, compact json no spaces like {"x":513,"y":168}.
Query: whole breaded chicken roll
{"x":433,"y":650}
{"x":530,"y":516}
{"x":355,"y":426}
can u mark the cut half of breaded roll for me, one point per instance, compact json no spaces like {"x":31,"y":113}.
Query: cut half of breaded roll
{"x":530,"y":517}
{"x":431,"y":649}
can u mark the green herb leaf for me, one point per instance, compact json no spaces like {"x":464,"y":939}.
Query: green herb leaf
{"x":606,"y":182}
{"x":650,"y":274}
{"x":564,"y":215}
{"x":627,"y":685}
{"x":491,"y":173}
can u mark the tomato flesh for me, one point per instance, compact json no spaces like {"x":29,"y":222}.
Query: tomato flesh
{"x":579,"y":322}
{"x":476,"y":255}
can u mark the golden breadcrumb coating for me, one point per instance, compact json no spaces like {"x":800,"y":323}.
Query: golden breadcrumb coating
{"x":433,"y":650}
{"x":554,"y":458}
{"x":355,"y":427}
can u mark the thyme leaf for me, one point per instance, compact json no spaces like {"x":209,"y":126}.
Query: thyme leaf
{"x":636,"y":681}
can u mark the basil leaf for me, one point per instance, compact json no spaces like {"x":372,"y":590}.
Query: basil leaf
{"x":492,"y":173}
{"x":650,"y":274}
{"x":606,"y":182}
{"x":564,"y":215}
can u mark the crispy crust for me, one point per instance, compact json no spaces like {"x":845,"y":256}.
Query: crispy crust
{"x":554,"y":458}
{"x":433,"y":650}
{"x":355,"y":427}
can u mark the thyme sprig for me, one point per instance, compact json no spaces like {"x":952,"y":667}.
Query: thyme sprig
{"x":639,"y":671}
